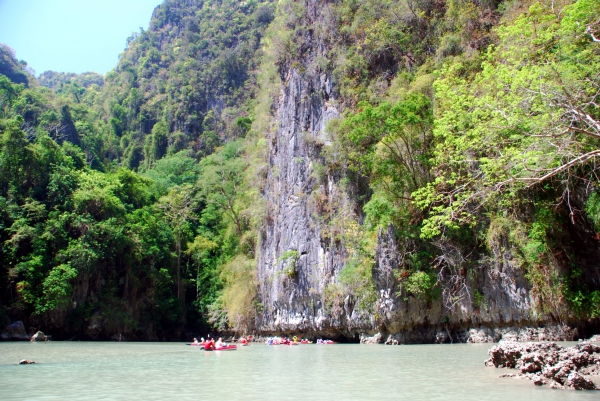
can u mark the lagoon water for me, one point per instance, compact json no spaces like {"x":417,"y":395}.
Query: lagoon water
{"x":174,"y":371}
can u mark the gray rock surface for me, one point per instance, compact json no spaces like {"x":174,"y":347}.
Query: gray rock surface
{"x":39,"y":336}
{"x":375,"y":339}
{"x":548,"y":364}
{"x":293,"y":291}
{"x":504,"y":315}
{"x":15,"y":331}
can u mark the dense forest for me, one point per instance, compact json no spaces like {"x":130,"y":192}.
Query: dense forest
{"x":136,"y":203}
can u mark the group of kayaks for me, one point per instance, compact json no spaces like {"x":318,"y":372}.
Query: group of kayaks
{"x":294,"y":341}
{"x":245,"y":342}
{"x":210,"y":345}
{"x":227,"y":347}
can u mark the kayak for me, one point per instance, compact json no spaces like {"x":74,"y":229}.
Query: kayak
{"x":195,"y":345}
{"x":225,"y":348}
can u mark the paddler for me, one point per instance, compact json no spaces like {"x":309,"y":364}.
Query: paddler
{"x":209,"y":345}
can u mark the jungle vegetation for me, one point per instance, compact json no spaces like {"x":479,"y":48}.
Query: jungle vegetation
{"x":134,"y":199}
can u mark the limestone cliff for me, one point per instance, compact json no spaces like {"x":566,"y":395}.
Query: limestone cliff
{"x":298,"y":258}
{"x":295,"y":263}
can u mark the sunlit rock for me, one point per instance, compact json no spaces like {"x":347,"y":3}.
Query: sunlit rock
{"x":548,"y":364}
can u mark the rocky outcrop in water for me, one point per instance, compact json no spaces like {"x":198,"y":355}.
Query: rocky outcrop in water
{"x":39,"y":336}
{"x":548,"y":364}
{"x":15,"y":331}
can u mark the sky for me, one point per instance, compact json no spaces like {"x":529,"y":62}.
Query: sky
{"x":72,"y":35}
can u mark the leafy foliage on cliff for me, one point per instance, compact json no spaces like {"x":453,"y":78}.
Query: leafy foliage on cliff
{"x":133,"y":202}
{"x":512,"y":138}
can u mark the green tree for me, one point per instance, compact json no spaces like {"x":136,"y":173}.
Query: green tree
{"x":221,"y":182}
{"x":527,"y":118}
{"x":178,"y":208}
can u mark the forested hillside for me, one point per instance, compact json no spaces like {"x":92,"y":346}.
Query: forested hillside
{"x":338,"y":168}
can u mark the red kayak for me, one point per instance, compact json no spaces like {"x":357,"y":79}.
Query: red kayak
{"x":196,"y":344}
{"x":225,"y":348}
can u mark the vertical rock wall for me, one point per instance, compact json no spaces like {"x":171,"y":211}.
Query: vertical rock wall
{"x":297,"y":259}
{"x":295,"y":265}
{"x":506,"y":306}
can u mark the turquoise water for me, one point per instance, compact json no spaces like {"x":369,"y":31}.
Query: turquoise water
{"x":164,"y":371}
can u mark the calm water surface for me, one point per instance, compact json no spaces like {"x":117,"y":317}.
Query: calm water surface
{"x":164,"y":371}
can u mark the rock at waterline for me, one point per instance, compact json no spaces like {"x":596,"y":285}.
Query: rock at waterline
{"x":26,"y":362}
{"x":39,"y":336}
{"x":15,"y":331}
{"x":365,"y":339}
{"x":548,"y":364}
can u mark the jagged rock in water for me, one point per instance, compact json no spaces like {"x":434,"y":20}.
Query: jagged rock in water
{"x":39,"y":336}
{"x":26,"y":362}
{"x":549,"y":364}
{"x":375,"y":339}
{"x":391,"y":340}
{"x":15,"y":331}
{"x":521,"y":334}
{"x":595,"y":338}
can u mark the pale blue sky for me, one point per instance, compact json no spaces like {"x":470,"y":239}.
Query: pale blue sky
{"x":72,"y":35}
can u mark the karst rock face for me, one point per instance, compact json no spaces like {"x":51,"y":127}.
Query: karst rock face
{"x":299,"y":256}
{"x":295,"y":263}
{"x":505,"y":313}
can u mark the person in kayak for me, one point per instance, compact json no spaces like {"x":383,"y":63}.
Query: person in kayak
{"x":209,"y":345}
{"x":220,"y":343}
{"x":195,"y":341}
{"x":244,"y":341}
